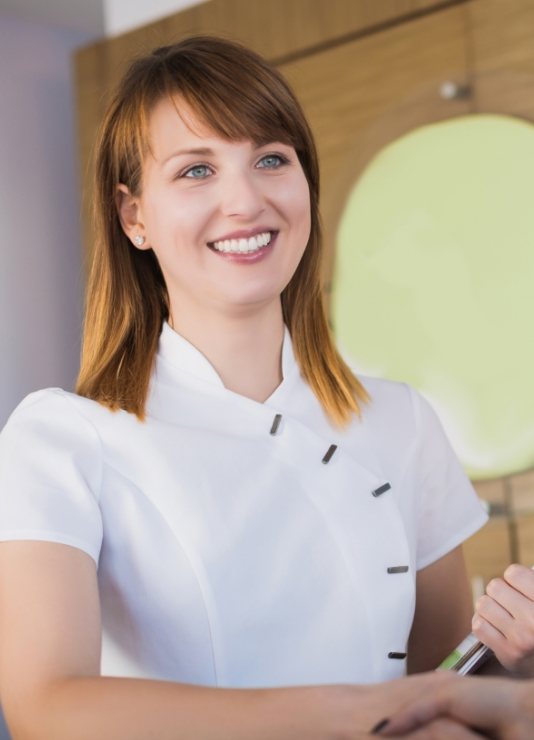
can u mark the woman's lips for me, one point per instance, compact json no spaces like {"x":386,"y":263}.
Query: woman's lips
{"x":245,"y":249}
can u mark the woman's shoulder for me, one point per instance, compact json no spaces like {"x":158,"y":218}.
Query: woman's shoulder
{"x":51,"y":472}
{"x":389,"y":397}
{"x":53,"y":416}
{"x":398,"y":409}
{"x":53,"y":404}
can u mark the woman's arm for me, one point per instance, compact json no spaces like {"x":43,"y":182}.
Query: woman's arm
{"x":51,"y":688}
{"x":504,"y":619}
{"x":442,"y":612}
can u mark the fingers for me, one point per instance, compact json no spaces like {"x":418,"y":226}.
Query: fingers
{"x":489,"y":635}
{"x":440,"y":729}
{"x":489,"y":704}
{"x":492,"y":611}
{"x":433,"y":703}
{"x":510,"y":597}
{"x":521,"y":578}
{"x":504,"y":617}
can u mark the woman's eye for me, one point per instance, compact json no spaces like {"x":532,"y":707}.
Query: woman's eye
{"x":272,"y":161}
{"x":197,"y":172}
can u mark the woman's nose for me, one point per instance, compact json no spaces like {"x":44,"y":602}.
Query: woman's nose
{"x":241,"y":195}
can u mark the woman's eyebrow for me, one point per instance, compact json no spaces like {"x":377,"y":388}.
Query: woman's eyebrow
{"x":202,"y":152}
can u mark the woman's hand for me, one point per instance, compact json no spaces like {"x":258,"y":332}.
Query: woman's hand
{"x":452,"y":706}
{"x":504,"y":619}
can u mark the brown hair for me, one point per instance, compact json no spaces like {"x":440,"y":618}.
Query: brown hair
{"x":239,"y":96}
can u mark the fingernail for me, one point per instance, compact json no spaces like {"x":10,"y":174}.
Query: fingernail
{"x":379,"y":726}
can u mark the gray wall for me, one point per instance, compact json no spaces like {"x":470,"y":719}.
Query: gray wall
{"x":40,"y":249}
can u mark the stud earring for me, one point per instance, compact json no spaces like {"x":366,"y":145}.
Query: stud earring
{"x":139,"y":240}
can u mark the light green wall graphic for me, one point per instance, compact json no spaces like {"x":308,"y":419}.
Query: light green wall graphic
{"x":434,"y":281}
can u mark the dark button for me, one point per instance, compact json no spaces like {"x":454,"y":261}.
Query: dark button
{"x":379,"y":491}
{"x":276,"y":423}
{"x":329,"y":453}
{"x":396,"y":656}
{"x":398,"y":569}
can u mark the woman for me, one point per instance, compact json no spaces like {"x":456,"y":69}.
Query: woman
{"x":236,"y":509}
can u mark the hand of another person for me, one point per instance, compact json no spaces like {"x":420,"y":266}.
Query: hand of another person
{"x":351,"y":711}
{"x":444,"y":729}
{"x":504,"y":619}
{"x":500,"y":708}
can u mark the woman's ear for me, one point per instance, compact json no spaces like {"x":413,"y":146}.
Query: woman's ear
{"x":129,"y":215}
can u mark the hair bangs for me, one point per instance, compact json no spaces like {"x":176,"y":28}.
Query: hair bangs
{"x":234,"y":107}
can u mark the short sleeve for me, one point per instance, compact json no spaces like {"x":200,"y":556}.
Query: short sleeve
{"x":449,"y":510}
{"x":50,"y":474}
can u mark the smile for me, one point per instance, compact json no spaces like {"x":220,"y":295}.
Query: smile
{"x":243,"y":246}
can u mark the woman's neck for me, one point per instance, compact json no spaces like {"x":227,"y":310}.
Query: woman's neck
{"x":245,"y":350}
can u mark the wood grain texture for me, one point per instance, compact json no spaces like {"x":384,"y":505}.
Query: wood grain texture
{"x":487,"y":553}
{"x":525,"y":538}
{"x":494,"y":493}
{"x":502,"y":51}
{"x":278,"y":28}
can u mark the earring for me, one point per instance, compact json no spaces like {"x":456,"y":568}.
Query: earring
{"x":139,"y":240}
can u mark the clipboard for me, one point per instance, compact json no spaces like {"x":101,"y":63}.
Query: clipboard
{"x":468,"y":657}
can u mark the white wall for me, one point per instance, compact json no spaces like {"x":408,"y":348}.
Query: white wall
{"x":40,"y":250}
{"x":123,"y":15}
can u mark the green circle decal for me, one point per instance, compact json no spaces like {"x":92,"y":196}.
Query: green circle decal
{"x":434,"y":281}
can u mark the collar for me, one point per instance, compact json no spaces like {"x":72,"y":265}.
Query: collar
{"x":187,"y":363}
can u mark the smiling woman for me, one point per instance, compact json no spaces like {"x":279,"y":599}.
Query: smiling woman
{"x":246,"y":523}
{"x":175,"y":106}
{"x":192,"y":212}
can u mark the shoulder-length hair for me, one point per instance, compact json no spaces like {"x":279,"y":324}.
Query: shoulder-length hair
{"x":239,"y":96}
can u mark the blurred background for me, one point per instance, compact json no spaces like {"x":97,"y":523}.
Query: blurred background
{"x":423,"y":112}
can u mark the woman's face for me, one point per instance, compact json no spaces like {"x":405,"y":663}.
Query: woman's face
{"x":227,"y":220}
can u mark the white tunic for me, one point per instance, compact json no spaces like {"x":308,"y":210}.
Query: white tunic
{"x":229,"y":555}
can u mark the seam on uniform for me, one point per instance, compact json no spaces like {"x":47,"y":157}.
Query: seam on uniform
{"x":194,"y":570}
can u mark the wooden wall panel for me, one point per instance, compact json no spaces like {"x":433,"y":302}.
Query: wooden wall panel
{"x":487,"y":553}
{"x":90,"y":102}
{"x":522,"y":493}
{"x":494,"y":493}
{"x":280,"y":28}
{"x":502,"y":33}
{"x":521,"y":488}
{"x":361,"y":95}
{"x":525,"y":537}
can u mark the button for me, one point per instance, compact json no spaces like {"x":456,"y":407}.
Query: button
{"x":276,"y":423}
{"x":382,"y":489}
{"x":398,"y":569}
{"x":396,"y":656}
{"x":329,"y":453}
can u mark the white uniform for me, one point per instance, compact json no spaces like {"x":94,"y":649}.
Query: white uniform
{"x":231,"y":552}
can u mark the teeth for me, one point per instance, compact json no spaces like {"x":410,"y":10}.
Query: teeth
{"x":243,"y":246}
